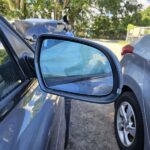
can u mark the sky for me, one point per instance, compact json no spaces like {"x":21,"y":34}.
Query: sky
{"x":145,"y":3}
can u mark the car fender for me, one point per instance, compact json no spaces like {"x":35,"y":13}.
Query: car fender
{"x":137,"y":89}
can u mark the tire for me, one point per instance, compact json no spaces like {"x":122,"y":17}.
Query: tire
{"x":129,"y":130}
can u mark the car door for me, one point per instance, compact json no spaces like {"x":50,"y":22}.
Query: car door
{"x":65,"y":66}
{"x":30,"y":118}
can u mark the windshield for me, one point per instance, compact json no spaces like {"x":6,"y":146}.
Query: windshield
{"x":29,"y":29}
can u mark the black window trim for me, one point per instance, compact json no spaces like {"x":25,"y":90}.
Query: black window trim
{"x":13,"y":58}
{"x":12,"y":99}
{"x":8,"y":102}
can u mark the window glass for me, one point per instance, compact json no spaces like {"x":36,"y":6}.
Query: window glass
{"x":75,"y":59}
{"x":141,"y":46}
{"x":10,"y":76}
{"x":75,"y":67}
{"x":17,"y":44}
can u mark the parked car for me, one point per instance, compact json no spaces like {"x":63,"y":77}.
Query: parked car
{"x":35,"y":85}
{"x":132,"y":116}
{"x":32,"y":28}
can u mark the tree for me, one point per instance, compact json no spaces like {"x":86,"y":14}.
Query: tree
{"x":101,"y":26}
{"x":79,"y":15}
{"x":145,"y":17}
{"x":36,"y":8}
{"x":17,"y":8}
{"x":119,"y":13}
{"x":3,"y":8}
{"x":39,"y":9}
{"x":113,"y":18}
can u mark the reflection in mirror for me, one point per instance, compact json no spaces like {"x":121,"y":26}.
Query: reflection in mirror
{"x":75,"y":67}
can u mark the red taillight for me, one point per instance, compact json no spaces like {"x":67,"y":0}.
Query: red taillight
{"x":127,"y":49}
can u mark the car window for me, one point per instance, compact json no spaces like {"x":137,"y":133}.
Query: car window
{"x":141,"y":46}
{"x":29,"y":29}
{"x":16,"y":42}
{"x":10,"y":75}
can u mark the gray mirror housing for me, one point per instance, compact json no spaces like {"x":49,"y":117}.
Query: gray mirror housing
{"x":77,"y":68}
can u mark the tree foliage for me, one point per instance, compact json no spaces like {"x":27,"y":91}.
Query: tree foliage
{"x":111,"y":21}
{"x":4,"y":8}
{"x":145,"y":17}
{"x":115,"y":17}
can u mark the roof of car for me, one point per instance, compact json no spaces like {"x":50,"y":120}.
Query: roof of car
{"x":37,"y":20}
{"x":142,"y":46}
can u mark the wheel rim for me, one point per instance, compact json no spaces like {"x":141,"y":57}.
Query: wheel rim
{"x":126,"y":124}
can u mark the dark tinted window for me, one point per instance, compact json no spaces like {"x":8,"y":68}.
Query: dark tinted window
{"x":10,"y":76}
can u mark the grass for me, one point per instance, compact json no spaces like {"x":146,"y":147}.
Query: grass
{"x":123,"y":43}
{"x":120,"y":42}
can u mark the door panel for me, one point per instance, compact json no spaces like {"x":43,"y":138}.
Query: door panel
{"x":29,"y":125}
{"x":146,"y":95}
{"x":31,"y":122}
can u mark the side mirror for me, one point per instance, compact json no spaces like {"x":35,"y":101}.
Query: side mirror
{"x":77,"y":68}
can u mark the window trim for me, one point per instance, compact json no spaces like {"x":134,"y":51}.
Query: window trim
{"x":9,"y":101}
{"x":11,"y":53}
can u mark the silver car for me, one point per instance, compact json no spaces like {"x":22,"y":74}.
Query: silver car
{"x":132,"y":108}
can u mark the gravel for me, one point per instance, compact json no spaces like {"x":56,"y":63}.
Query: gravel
{"x":91,"y":127}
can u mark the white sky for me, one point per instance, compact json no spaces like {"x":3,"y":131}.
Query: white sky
{"x":145,"y":3}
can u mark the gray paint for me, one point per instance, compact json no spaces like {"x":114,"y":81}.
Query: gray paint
{"x":30,"y":124}
{"x":136,"y":73}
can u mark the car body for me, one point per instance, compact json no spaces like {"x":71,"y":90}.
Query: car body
{"x":34,"y":115}
{"x":30,"y":118}
{"x":32,"y":28}
{"x":135,"y":93}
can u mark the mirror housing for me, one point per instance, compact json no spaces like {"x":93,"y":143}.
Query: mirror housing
{"x":72,"y":79}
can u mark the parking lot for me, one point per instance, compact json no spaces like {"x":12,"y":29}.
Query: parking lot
{"x":47,"y":57}
{"x":91,"y":126}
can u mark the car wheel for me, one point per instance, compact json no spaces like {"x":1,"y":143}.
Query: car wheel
{"x":129,"y":128}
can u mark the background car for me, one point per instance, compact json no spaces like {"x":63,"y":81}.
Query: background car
{"x":33,"y":116}
{"x":132,"y":117}
{"x":31,"y":29}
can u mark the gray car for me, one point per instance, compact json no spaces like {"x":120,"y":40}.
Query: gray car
{"x":34,"y":86}
{"x":31,"y":29}
{"x":132,"y":108}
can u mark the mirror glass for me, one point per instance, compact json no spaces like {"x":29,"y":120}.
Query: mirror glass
{"x":76,"y":68}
